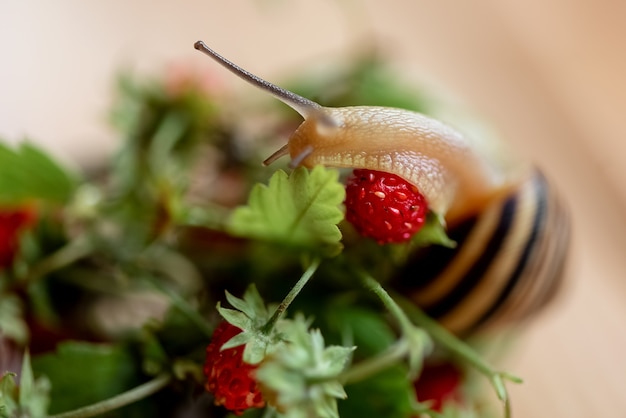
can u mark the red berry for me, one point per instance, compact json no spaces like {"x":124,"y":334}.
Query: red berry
{"x":230,"y":380}
{"x":384,"y":206}
{"x":12,"y":222}
{"x":438,"y":384}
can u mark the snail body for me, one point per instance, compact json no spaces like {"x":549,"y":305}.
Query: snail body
{"x":511,"y":230}
{"x":435,"y":158}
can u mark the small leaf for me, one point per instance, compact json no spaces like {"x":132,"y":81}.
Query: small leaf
{"x":33,"y":394}
{"x":240,"y":304}
{"x":252,"y":305}
{"x":336,"y":358}
{"x":304,"y":373}
{"x":253,"y":299}
{"x":27,"y":173}
{"x":12,"y":325}
{"x":433,"y":232}
{"x":301,"y":210}
{"x":498,"y":384}
{"x":335,"y":389}
{"x":84,"y":373}
{"x":255,"y":352}
{"x":236,"y":318}
{"x":420,"y":345}
{"x":27,"y":379}
{"x":239,"y":339}
{"x":8,"y":395}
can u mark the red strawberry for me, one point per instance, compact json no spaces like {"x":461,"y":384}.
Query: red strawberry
{"x":12,"y":222}
{"x":228,"y":377}
{"x":384,"y":206}
{"x":438,"y":384}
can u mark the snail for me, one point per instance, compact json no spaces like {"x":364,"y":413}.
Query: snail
{"x":511,"y":228}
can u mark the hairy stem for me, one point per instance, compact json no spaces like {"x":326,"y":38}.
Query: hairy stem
{"x":295,"y":290}
{"x":443,"y":337}
{"x":66,"y":255}
{"x":123,"y":399}
{"x":183,"y":306}
{"x":462,"y":350}
{"x":376,"y":364}
{"x":375,"y":287}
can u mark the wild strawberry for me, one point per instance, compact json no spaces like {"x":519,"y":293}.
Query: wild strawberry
{"x":438,"y":383}
{"x":12,"y":222}
{"x":228,"y":377}
{"x":384,"y":206}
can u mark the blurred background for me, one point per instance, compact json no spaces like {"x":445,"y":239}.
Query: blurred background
{"x":549,"y":76}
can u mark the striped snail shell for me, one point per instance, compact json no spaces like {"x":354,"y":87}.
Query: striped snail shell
{"x":511,"y":230}
{"x":508,"y":263}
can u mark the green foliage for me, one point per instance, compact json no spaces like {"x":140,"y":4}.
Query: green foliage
{"x":433,"y":233}
{"x":367,"y":328}
{"x":300,"y":211}
{"x":29,"y":399}
{"x":27,"y":173}
{"x":12,"y":324}
{"x":130,"y":232}
{"x":8,"y":395}
{"x":304,"y":373}
{"x":250,"y":316}
{"x":83,"y":373}
{"x":386,"y":394}
{"x":164,"y":131}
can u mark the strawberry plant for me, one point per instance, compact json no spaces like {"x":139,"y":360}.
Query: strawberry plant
{"x":180,"y":278}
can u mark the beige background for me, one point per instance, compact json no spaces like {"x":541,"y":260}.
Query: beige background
{"x":547,"y":75}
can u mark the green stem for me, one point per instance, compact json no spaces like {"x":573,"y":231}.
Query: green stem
{"x":66,"y":255}
{"x":374,"y":365}
{"x":463,"y":351}
{"x":280,"y":310}
{"x":183,"y":306}
{"x":446,"y":339}
{"x":123,"y":399}
{"x":374,"y":286}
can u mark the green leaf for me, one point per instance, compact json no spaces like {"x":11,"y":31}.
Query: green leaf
{"x":236,"y":318}
{"x":28,"y":173}
{"x":387,"y":394}
{"x":304,"y":373}
{"x":420,"y":345}
{"x":433,"y":233}
{"x":301,"y":210}
{"x":12,"y":325}
{"x":8,"y":395}
{"x":367,"y":327}
{"x":29,"y":399}
{"x":251,"y":305}
{"x":251,"y":317}
{"x":33,"y":397}
{"x":84,"y":373}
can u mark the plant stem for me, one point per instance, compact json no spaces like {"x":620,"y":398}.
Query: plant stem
{"x":446,"y":339}
{"x":464,"y":351}
{"x":374,"y":286}
{"x":66,"y":255}
{"x":373,"y":365}
{"x":123,"y":399}
{"x":295,"y":290}
{"x":453,"y":344}
{"x":183,"y":306}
